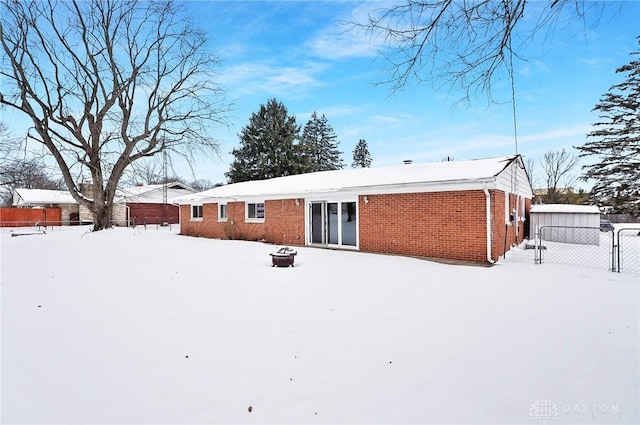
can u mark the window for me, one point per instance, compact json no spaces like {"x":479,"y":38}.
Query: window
{"x":222,"y":212}
{"x":196,"y":212}
{"x":255,"y":211}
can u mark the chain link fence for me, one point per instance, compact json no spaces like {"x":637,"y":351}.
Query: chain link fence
{"x":616,"y":251}
{"x":627,"y":250}
{"x":586,"y":246}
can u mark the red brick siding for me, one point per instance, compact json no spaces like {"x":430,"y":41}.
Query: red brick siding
{"x":283,"y":224}
{"x":500,"y":243}
{"x":449,"y":225}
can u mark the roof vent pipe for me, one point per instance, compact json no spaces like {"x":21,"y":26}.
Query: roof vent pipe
{"x":408,"y":161}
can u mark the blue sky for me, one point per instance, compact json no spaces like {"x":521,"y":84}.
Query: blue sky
{"x":298,"y":53}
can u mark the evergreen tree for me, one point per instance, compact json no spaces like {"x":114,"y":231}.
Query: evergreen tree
{"x":267,"y":146}
{"x":361,"y":155}
{"x":615,"y":142}
{"x":319,"y":146}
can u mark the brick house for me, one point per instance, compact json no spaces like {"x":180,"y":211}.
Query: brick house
{"x":460,"y":210}
{"x":150,"y":203}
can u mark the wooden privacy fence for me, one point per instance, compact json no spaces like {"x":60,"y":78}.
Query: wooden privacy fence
{"x":25,"y":217}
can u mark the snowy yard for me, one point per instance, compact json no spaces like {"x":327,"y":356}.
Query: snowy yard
{"x":133,"y":326}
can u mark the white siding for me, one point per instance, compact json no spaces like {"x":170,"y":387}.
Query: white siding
{"x":566,"y":227}
{"x":513,"y":179}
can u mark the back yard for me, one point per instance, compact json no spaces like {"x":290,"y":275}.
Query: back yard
{"x":134,"y":326}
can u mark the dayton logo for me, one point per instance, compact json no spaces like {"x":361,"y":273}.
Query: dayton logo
{"x":544,"y":410}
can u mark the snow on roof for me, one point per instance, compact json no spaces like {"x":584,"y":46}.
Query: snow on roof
{"x":139,"y":194}
{"x":42,"y":196}
{"x":564,"y":208}
{"x":339,"y":180}
{"x":152,"y":194}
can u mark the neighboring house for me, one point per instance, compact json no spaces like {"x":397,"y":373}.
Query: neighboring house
{"x":136,"y":205}
{"x":44,"y":198}
{"x":458,"y":210}
{"x":151,"y":205}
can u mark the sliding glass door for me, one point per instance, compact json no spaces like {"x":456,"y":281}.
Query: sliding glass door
{"x":333,"y":223}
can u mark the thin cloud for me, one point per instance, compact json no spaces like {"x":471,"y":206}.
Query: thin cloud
{"x":338,"y":43}
{"x":255,"y":77}
{"x":342,"y":40}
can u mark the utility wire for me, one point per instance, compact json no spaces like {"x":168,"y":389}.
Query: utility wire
{"x":513,"y":96}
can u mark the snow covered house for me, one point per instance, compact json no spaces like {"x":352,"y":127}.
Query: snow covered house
{"x":44,"y":198}
{"x":150,"y":203}
{"x":460,"y":210}
{"x":136,"y":205}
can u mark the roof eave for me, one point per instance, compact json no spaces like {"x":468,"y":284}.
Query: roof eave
{"x":414,"y":187}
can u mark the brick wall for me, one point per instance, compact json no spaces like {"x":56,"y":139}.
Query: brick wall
{"x":283,"y":223}
{"x":448,"y":225}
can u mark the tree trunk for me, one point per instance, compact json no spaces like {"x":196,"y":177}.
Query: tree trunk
{"x":102,"y":217}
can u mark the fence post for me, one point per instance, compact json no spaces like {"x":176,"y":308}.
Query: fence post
{"x":613,"y":252}
{"x":537,"y":255}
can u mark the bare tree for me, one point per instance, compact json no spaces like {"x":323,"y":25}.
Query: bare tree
{"x":531,"y":171}
{"x":202,"y":184}
{"x":106,"y":83}
{"x":557,"y":166}
{"x":26,"y":174}
{"x":146,"y":171}
{"x":462,"y":43}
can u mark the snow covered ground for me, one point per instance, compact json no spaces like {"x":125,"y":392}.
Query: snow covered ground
{"x":134,"y":326}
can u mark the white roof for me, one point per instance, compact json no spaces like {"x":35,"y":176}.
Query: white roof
{"x":365,"y":180}
{"x":149,"y":194}
{"x":152,"y":194}
{"x":565,"y":208}
{"x":41,"y":197}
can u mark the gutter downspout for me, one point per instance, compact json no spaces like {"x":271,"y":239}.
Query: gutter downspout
{"x":488,"y":208}
{"x":180,"y":219}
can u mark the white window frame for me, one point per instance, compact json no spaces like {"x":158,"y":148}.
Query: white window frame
{"x":192,"y":210}
{"x":255,"y":219}
{"x":332,"y":199}
{"x":223,"y":206}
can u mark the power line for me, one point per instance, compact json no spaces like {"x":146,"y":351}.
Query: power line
{"x":513,"y":97}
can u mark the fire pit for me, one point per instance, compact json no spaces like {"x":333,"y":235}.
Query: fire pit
{"x":283,"y":257}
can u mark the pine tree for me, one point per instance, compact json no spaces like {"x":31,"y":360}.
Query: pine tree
{"x":361,"y":155}
{"x":267,"y":146}
{"x":319,"y":145}
{"x":616,"y":144}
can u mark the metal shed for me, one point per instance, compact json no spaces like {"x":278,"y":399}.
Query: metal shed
{"x":576,"y":224}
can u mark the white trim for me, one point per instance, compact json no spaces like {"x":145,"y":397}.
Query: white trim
{"x":507,"y":211}
{"x":489,"y":230}
{"x":255,"y":219}
{"x":226,"y":212}
{"x":201,"y":205}
{"x":340,"y":200}
{"x":368,"y":190}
